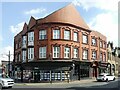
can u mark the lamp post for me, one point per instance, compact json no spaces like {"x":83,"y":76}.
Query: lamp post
{"x":9,"y":64}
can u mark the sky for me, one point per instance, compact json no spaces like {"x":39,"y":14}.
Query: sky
{"x":100,"y":15}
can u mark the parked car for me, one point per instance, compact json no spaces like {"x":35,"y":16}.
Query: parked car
{"x":6,"y":81}
{"x":105,"y":77}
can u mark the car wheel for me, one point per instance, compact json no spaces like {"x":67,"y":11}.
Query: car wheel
{"x":10,"y":87}
{"x":0,"y":86}
{"x":107,"y":80}
{"x":114,"y":79}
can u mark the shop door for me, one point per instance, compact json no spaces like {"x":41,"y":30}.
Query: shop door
{"x":37,"y":76}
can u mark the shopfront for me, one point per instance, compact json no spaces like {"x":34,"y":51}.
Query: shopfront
{"x":103,"y":67}
{"x":44,"y":71}
{"x":84,"y":70}
{"x":99,"y":67}
{"x":52,"y":71}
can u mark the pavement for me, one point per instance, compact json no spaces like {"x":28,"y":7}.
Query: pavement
{"x":72,"y":85}
{"x":82,"y":81}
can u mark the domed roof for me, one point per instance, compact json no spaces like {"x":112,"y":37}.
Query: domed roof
{"x":67,"y":14}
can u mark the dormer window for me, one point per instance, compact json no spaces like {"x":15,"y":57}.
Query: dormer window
{"x":30,"y":38}
{"x":24,"y":41}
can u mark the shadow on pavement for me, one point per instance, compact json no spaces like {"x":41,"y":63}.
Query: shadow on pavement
{"x":108,"y":86}
{"x":83,"y":88}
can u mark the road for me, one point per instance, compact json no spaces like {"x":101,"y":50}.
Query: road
{"x":77,"y":85}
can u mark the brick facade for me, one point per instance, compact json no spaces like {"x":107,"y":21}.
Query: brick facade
{"x":55,"y":21}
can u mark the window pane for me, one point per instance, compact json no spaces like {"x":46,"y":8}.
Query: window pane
{"x":42,"y":34}
{"x":85,"y":54}
{"x":66,"y":52}
{"x":75,"y":36}
{"x":75,"y":53}
{"x":93,"y":41}
{"x":24,"y":56}
{"x":24,"y":40}
{"x":42,"y":52}
{"x":94,"y":54}
{"x":101,"y":56}
{"x":67,"y":35}
{"x":56,"y":34}
{"x":30,"y":36}
{"x":30,"y":53}
{"x":85,"y":39}
{"x":100,"y":43}
{"x":56,"y":52}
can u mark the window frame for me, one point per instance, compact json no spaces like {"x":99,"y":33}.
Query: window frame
{"x":42,"y":34}
{"x":56,"y":54}
{"x":104,"y":45}
{"x":94,"y":56}
{"x":24,"y":40}
{"x":101,"y":56}
{"x":75,"y":38}
{"x":95,"y":43}
{"x":66,"y":54}
{"x":83,"y":56}
{"x":42,"y":52}
{"x":101,"y":44}
{"x":104,"y":57}
{"x":30,"y":53}
{"x":65,"y":35}
{"x":31,"y":36}
{"x":19,"y":57}
{"x":56,"y":35}
{"x":76,"y":53}
{"x":85,"y":41}
{"x":24,"y":56}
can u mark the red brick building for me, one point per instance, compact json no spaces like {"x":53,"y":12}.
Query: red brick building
{"x":59,"y":46}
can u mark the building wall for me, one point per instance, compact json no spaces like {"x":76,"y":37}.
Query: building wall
{"x":49,"y":42}
{"x":57,"y":21}
{"x":117,"y":65}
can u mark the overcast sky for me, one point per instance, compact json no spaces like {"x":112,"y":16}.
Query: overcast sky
{"x":100,"y":15}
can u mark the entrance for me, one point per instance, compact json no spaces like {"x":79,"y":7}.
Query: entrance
{"x":36,"y":76}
